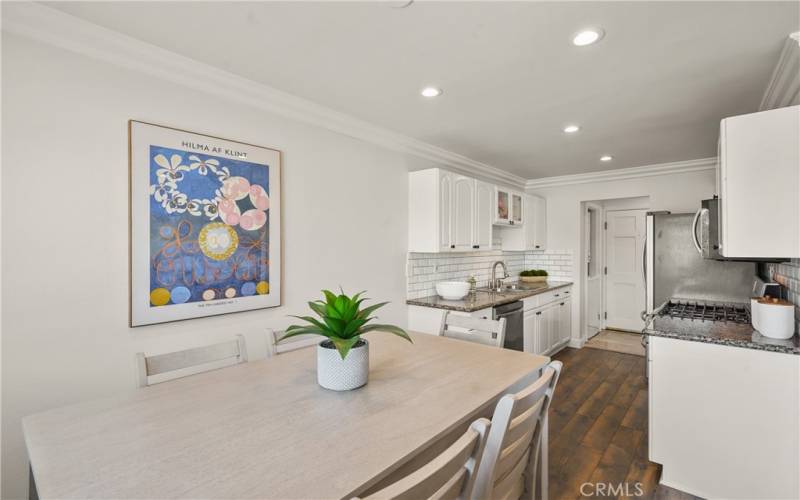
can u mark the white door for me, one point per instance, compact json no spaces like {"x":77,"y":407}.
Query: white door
{"x":445,"y":209}
{"x":463,"y":211}
{"x":625,"y":293}
{"x":484,"y":197}
{"x":594,"y":271}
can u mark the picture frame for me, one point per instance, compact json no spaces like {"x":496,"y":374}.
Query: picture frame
{"x":205,"y":225}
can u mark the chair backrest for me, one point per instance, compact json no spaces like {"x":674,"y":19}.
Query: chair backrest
{"x":179,"y":364}
{"x":292,"y":343}
{"x":508,"y":467}
{"x":449,"y":475}
{"x":483,"y":331}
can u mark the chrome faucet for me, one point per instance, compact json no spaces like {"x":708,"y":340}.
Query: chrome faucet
{"x":497,"y":283}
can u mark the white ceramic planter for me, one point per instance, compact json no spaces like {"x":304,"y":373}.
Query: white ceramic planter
{"x":339,"y":374}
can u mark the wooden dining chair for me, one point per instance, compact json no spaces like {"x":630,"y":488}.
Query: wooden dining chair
{"x":449,"y":475}
{"x":483,"y":331}
{"x":510,"y":458}
{"x":292,"y":343}
{"x":179,"y":364}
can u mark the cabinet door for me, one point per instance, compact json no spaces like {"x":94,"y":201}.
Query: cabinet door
{"x":759,"y":206}
{"x":463,"y":211}
{"x":502,"y":206}
{"x":484,"y":198}
{"x":540,"y":331}
{"x":445,"y":209}
{"x":540,"y":223}
{"x":565,"y":321}
{"x":554,"y":325}
{"x":529,"y":319}
{"x":517,"y":206}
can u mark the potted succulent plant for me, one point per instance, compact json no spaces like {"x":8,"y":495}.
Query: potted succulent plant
{"x":533,"y":276}
{"x":343,"y":357}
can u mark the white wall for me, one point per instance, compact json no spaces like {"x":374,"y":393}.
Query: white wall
{"x":65,"y":230}
{"x":681,"y":192}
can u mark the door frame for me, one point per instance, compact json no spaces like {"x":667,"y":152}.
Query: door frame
{"x":585,"y":248}
{"x":604,"y":285}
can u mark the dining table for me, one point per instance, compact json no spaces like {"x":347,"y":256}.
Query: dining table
{"x":266,"y":429}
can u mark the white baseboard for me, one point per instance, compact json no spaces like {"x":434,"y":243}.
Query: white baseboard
{"x":576,"y":343}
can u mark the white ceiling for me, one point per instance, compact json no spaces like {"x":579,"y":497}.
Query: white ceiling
{"x":652,"y":91}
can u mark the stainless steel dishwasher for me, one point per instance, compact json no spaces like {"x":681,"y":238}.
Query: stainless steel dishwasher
{"x":513,"y":314}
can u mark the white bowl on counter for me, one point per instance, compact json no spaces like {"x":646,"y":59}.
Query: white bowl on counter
{"x":452,"y":290}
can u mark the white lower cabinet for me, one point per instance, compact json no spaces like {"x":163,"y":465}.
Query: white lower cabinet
{"x":724,"y":420}
{"x":547,"y":322}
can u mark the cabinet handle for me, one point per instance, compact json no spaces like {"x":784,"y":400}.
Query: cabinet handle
{"x":562,"y":303}
{"x":567,"y":291}
{"x":539,"y":313}
{"x":556,"y":295}
{"x":537,"y":246}
{"x":476,"y":246}
{"x":452,"y":246}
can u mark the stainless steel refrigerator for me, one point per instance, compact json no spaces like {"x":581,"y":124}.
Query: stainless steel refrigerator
{"x":674,"y":268}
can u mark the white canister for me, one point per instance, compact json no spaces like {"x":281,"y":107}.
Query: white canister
{"x":339,"y":374}
{"x":754,"y":311}
{"x":775,"y":318}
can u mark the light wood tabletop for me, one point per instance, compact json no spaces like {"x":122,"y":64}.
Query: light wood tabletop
{"x":265,"y":429}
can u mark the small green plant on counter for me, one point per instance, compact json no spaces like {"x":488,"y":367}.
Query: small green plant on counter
{"x":534,"y":272}
{"x":342,"y":321}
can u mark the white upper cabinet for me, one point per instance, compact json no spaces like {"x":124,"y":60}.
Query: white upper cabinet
{"x":448,"y":212}
{"x":517,"y":204}
{"x":759,"y":175}
{"x":539,"y":218}
{"x":509,"y":207}
{"x":532,"y":235}
{"x":463,"y":215}
{"x":484,"y":201}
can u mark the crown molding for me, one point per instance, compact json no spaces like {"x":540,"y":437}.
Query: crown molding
{"x":678,"y":167}
{"x":783,"y":88}
{"x":51,"y":26}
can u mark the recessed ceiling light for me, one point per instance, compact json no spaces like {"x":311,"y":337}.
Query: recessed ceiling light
{"x":587,"y":37}
{"x":431,"y":92}
{"x":606,"y":158}
{"x":571,"y":129}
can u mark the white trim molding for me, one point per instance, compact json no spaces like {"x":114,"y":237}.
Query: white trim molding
{"x":783,"y":88}
{"x":678,"y":167}
{"x":51,"y":26}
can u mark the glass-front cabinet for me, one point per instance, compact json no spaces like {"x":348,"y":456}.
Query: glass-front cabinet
{"x":508,"y":207}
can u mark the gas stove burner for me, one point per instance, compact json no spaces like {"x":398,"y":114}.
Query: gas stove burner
{"x":706,"y":311}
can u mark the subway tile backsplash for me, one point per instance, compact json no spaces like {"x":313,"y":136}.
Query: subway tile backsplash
{"x":424,"y":270}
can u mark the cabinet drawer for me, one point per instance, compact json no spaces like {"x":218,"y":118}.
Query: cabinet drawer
{"x":553,"y":295}
{"x":546,"y":298}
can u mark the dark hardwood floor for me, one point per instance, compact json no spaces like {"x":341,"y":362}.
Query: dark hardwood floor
{"x":598,"y":429}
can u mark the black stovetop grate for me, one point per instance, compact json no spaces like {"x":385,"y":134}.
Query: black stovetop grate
{"x":706,"y":311}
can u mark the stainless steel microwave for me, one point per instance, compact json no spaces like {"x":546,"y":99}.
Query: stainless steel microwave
{"x":705,"y":230}
{"x":705,"y":233}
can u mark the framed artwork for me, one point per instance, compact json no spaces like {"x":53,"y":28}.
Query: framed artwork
{"x":205,"y":216}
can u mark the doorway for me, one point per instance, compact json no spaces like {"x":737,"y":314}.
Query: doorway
{"x":612,"y":282}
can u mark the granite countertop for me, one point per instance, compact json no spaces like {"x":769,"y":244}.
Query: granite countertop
{"x":483,"y":299}
{"x":722,"y":333}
